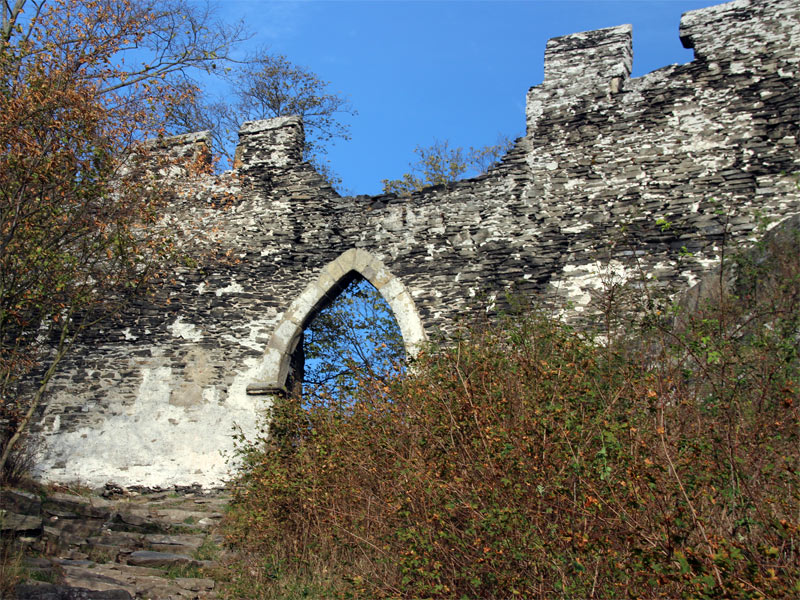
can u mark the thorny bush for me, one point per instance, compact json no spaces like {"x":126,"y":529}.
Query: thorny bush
{"x":523,"y":459}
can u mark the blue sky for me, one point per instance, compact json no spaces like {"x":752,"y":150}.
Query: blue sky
{"x":418,"y":71}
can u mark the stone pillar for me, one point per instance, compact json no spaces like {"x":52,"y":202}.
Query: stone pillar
{"x":177,"y":157}
{"x":580,"y":66}
{"x":269,"y":144}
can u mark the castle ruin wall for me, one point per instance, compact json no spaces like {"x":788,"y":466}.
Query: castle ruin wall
{"x":707,"y":147}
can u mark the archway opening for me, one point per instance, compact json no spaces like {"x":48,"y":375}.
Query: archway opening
{"x":281,"y":369}
{"x":352,"y":337}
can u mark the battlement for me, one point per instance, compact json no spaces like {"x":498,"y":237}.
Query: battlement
{"x":580,"y":61}
{"x":187,"y":146}
{"x":594,"y":65}
{"x":588,"y":67}
{"x":270,"y":143}
{"x":582,"y":64}
{"x":739,"y":28}
{"x":176,"y":157}
{"x":263,"y":145}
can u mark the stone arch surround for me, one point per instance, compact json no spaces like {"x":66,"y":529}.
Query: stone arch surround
{"x":152,"y":399}
{"x":275,"y":365}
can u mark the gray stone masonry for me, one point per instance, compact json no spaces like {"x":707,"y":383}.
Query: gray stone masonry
{"x":709,"y":146}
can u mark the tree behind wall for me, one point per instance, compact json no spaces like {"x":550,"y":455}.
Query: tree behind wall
{"x":355,"y":337}
{"x":441,"y":163}
{"x":265,"y":86}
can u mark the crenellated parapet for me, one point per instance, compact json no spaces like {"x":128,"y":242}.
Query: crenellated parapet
{"x":579,"y":66}
{"x":744,"y":36}
{"x":178,"y":158}
{"x":741,"y":28}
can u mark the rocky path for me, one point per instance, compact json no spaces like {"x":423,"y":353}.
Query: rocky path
{"x":150,"y":546}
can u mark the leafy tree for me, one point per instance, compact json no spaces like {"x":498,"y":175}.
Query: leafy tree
{"x":440,"y":163}
{"x":80,"y":82}
{"x":265,"y":86}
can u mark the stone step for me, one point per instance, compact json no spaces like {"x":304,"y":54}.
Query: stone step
{"x":166,"y":519}
{"x":160,"y":560}
{"x":138,"y":581}
{"x":20,"y":502}
{"x":215,"y":503}
{"x":126,"y":542}
{"x":17,"y":525}
{"x":71,"y":506}
{"x":146,"y":546}
{"x":36,"y":590}
{"x":135,"y":523}
{"x":181,"y":543}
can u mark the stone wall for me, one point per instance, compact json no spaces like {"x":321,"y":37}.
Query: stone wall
{"x":154,"y":399}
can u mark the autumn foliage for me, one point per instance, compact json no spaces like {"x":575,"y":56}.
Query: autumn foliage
{"x":78,"y":232}
{"x":523,"y":459}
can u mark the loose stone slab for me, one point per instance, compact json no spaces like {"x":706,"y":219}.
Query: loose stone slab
{"x":48,"y":591}
{"x":20,"y":525}
{"x":153,"y":559}
{"x":20,"y":502}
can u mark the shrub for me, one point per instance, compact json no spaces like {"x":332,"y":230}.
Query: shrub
{"x":523,"y":459}
{"x":21,"y":460}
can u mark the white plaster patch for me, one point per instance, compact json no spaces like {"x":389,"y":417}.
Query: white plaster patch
{"x":490,"y":304}
{"x":577,"y":228}
{"x":154,"y":443}
{"x":128,"y":335}
{"x":257,"y":329}
{"x":691,"y":278}
{"x":233,"y":288}
{"x":577,"y":282}
{"x":186,"y":331}
{"x":211,"y":394}
{"x":706,"y":266}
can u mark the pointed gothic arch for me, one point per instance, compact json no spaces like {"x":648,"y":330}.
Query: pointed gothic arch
{"x":334,"y":277}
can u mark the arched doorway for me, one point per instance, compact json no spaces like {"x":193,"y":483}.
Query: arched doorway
{"x":335,"y":276}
